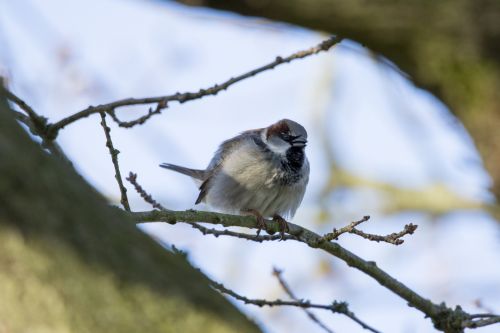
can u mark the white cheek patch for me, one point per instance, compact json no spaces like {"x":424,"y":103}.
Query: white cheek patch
{"x":278,"y":147}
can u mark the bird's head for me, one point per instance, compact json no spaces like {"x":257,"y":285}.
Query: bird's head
{"x":283,"y":135}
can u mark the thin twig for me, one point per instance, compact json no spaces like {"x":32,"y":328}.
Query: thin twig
{"x":334,"y":235}
{"x":481,"y":323}
{"x":335,"y":307}
{"x":188,"y":96}
{"x":39,"y":122}
{"x":132,"y":178}
{"x":141,"y":120}
{"x":483,"y":315}
{"x":225,"y":232}
{"x":278,"y":274}
{"x":394,"y":238}
{"x":25,"y":120}
{"x":37,"y":125}
{"x":114,"y":158}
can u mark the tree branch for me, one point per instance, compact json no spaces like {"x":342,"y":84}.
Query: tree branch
{"x":225,"y":232}
{"x":482,"y":322}
{"x":444,"y":318}
{"x":114,"y":158}
{"x":148,"y":198}
{"x":132,"y":178}
{"x":37,"y":125}
{"x":53,"y":129}
{"x":278,"y":274}
{"x":334,"y":235}
{"x":335,"y":307}
{"x":141,"y":120}
{"x":39,"y":122}
{"x":394,"y":238}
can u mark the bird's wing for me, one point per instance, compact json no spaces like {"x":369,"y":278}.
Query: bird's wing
{"x":225,"y":149}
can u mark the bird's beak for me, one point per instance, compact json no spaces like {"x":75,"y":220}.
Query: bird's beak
{"x":300,"y":143}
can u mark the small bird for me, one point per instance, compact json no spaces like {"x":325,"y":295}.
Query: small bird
{"x":262,"y":172}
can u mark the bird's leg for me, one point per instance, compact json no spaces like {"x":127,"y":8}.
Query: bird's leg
{"x":283,"y":225}
{"x":258,"y":216}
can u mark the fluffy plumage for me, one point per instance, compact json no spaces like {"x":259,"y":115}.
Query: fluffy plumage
{"x":264,"y":170}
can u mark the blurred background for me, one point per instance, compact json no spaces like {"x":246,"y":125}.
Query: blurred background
{"x":379,"y":146}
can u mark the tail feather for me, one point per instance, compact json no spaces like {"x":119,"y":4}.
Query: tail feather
{"x":193,"y":173}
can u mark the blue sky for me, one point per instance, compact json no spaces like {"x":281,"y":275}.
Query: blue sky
{"x":63,"y":56}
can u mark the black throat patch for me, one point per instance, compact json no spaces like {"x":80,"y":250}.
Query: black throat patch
{"x":294,"y":159}
{"x":292,"y":162}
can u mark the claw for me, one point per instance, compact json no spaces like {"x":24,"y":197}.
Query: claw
{"x":283,"y":225}
{"x":260,"y":219}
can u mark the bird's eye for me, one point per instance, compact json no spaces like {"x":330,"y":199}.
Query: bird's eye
{"x":285,"y":135}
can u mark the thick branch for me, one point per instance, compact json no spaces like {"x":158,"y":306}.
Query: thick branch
{"x":440,"y":314}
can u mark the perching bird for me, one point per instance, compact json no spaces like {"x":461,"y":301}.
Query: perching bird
{"x":262,"y":172}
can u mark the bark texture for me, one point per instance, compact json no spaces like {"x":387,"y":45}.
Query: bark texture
{"x":71,"y":263}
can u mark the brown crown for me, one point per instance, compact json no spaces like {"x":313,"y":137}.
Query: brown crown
{"x":276,"y":129}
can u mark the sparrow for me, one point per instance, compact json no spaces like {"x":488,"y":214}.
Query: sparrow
{"x":261,"y":172}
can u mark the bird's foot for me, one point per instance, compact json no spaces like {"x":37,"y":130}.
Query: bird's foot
{"x":283,"y":225}
{"x":260,"y":219}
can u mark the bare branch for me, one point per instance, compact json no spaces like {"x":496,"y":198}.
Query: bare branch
{"x":37,"y":125}
{"x":132,"y":178}
{"x":444,"y":318}
{"x":394,"y":238}
{"x":39,"y":122}
{"x":493,"y":319}
{"x":114,"y":158}
{"x":141,"y":120}
{"x":189,"y":96}
{"x":335,"y":307}
{"x":225,"y":232}
{"x":301,"y":234}
{"x":334,"y":235}
{"x":278,"y":274}
{"x":483,"y":315}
